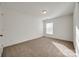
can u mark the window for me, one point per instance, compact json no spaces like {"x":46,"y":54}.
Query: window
{"x":49,"y":28}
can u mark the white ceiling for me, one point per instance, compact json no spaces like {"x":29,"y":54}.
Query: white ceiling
{"x":54,"y":9}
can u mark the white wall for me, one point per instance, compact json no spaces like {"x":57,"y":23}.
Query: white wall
{"x":76,"y":28}
{"x":62,"y":27}
{"x":0,"y":21}
{"x":1,"y":24}
{"x":19,"y":27}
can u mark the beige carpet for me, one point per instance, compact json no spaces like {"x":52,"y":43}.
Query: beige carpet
{"x":41,"y":47}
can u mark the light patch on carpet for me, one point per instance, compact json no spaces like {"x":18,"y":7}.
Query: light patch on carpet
{"x":65,"y":50}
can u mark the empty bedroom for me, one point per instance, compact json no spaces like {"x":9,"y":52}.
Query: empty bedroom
{"x":39,"y":29}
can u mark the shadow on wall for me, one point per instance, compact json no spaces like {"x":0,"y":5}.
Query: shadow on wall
{"x":59,"y":28}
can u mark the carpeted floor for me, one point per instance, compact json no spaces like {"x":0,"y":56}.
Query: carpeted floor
{"x":41,"y":47}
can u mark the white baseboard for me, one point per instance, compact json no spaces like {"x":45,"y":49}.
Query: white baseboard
{"x":58,"y":38}
{"x":20,"y":41}
{"x":27,"y":39}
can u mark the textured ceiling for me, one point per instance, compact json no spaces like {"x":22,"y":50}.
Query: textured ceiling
{"x":54,"y":9}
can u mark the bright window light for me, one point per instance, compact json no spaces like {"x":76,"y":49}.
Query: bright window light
{"x":49,"y":28}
